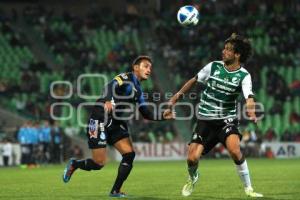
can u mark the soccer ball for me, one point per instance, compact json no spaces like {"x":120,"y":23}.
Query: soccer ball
{"x":188,"y":16}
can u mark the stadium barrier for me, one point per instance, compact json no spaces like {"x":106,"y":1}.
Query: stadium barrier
{"x":282,"y":149}
{"x":158,"y":151}
{"x":177,"y":151}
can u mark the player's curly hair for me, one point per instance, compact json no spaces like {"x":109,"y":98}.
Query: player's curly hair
{"x":139,"y":59}
{"x":241,"y":45}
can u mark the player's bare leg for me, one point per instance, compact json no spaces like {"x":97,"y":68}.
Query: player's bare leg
{"x":194,"y":152}
{"x":233,"y":147}
{"x":96,"y":163}
{"x":124,"y":146}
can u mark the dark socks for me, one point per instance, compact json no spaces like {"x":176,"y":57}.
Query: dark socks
{"x":192,"y":168}
{"x":241,"y":161}
{"x":123,"y":171}
{"x":87,"y":165}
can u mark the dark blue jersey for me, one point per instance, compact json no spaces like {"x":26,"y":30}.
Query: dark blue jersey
{"x":125,"y":90}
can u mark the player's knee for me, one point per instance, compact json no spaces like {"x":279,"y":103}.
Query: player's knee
{"x":235,"y":153}
{"x":99,"y":161}
{"x":192,"y":159}
{"x":128,"y":158}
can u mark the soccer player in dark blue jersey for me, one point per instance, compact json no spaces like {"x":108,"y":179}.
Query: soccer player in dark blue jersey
{"x":106,"y":125}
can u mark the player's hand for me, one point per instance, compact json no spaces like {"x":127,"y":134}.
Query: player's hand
{"x":108,"y":106}
{"x":169,"y":114}
{"x":253,"y":118}
{"x":250,"y":104}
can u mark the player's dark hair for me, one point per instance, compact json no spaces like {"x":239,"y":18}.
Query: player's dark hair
{"x":241,"y":45}
{"x":139,"y":59}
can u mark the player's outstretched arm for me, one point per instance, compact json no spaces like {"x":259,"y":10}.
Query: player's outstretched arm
{"x":250,"y":106}
{"x":185,"y":88}
{"x":151,"y":113}
{"x":155,"y":116}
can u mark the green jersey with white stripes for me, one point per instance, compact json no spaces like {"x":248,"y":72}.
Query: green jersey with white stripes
{"x":218,"y":100}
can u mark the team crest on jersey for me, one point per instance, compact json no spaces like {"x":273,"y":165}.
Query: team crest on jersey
{"x":235,"y":80}
{"x":93,"y":128}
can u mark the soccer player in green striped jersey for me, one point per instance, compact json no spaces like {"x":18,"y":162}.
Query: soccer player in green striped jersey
{"x":217,"y":117}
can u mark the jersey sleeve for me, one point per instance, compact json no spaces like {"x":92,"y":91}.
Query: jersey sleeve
{"x":204,"y":73}
{"x":145,"y":110}
{"x":112,"y":86}
{"x":108,"y":94}
{"x":247,"y":87}
{"x":121,"y":78}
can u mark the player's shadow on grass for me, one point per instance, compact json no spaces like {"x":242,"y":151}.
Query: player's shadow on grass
{"x":133,"y":197}
{"x":230,"y":198}
{"x":146,"y":198}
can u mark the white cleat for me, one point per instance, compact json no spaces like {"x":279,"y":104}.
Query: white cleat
{"x":250,"y":193}
{"x":189,"y":186}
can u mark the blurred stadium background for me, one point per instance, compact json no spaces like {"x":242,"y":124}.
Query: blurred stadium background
{"x":43,"y":43}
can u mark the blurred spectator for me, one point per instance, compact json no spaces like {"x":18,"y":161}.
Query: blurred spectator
{"x":294,"y":118}
{"x":295,"y":87}
{"x":45,"y":141}
{"x":269,"y":153}
{"x":23,"y":139}
{"x":270,"y":135}
{"x":56,"y":143}
{"x":287,"y":137}
{"x":277,"y":108}
{"x":7,"y":152}
{"x":71,"y":130}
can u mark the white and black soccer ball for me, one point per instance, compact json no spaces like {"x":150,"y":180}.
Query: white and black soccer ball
{"x":188,"y":16}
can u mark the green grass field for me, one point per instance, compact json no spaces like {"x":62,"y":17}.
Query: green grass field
{"x":276,"y":179}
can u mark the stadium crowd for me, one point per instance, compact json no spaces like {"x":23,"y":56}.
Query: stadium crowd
{"x":70,"y":55}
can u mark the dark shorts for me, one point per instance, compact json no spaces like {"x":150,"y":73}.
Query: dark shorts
{"x":99,"y":135}
{"x":211,"y":132}
{"x":100,"y":132}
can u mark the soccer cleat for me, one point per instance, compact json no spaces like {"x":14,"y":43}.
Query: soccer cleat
{"x":118,"y":195}
{"x":250,"y":193}
{"x":189,"y":186}
{"x":69,"y":170}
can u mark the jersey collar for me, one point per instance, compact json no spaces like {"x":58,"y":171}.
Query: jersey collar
{"x":135,"y":80}
{"x":233,"y":70}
